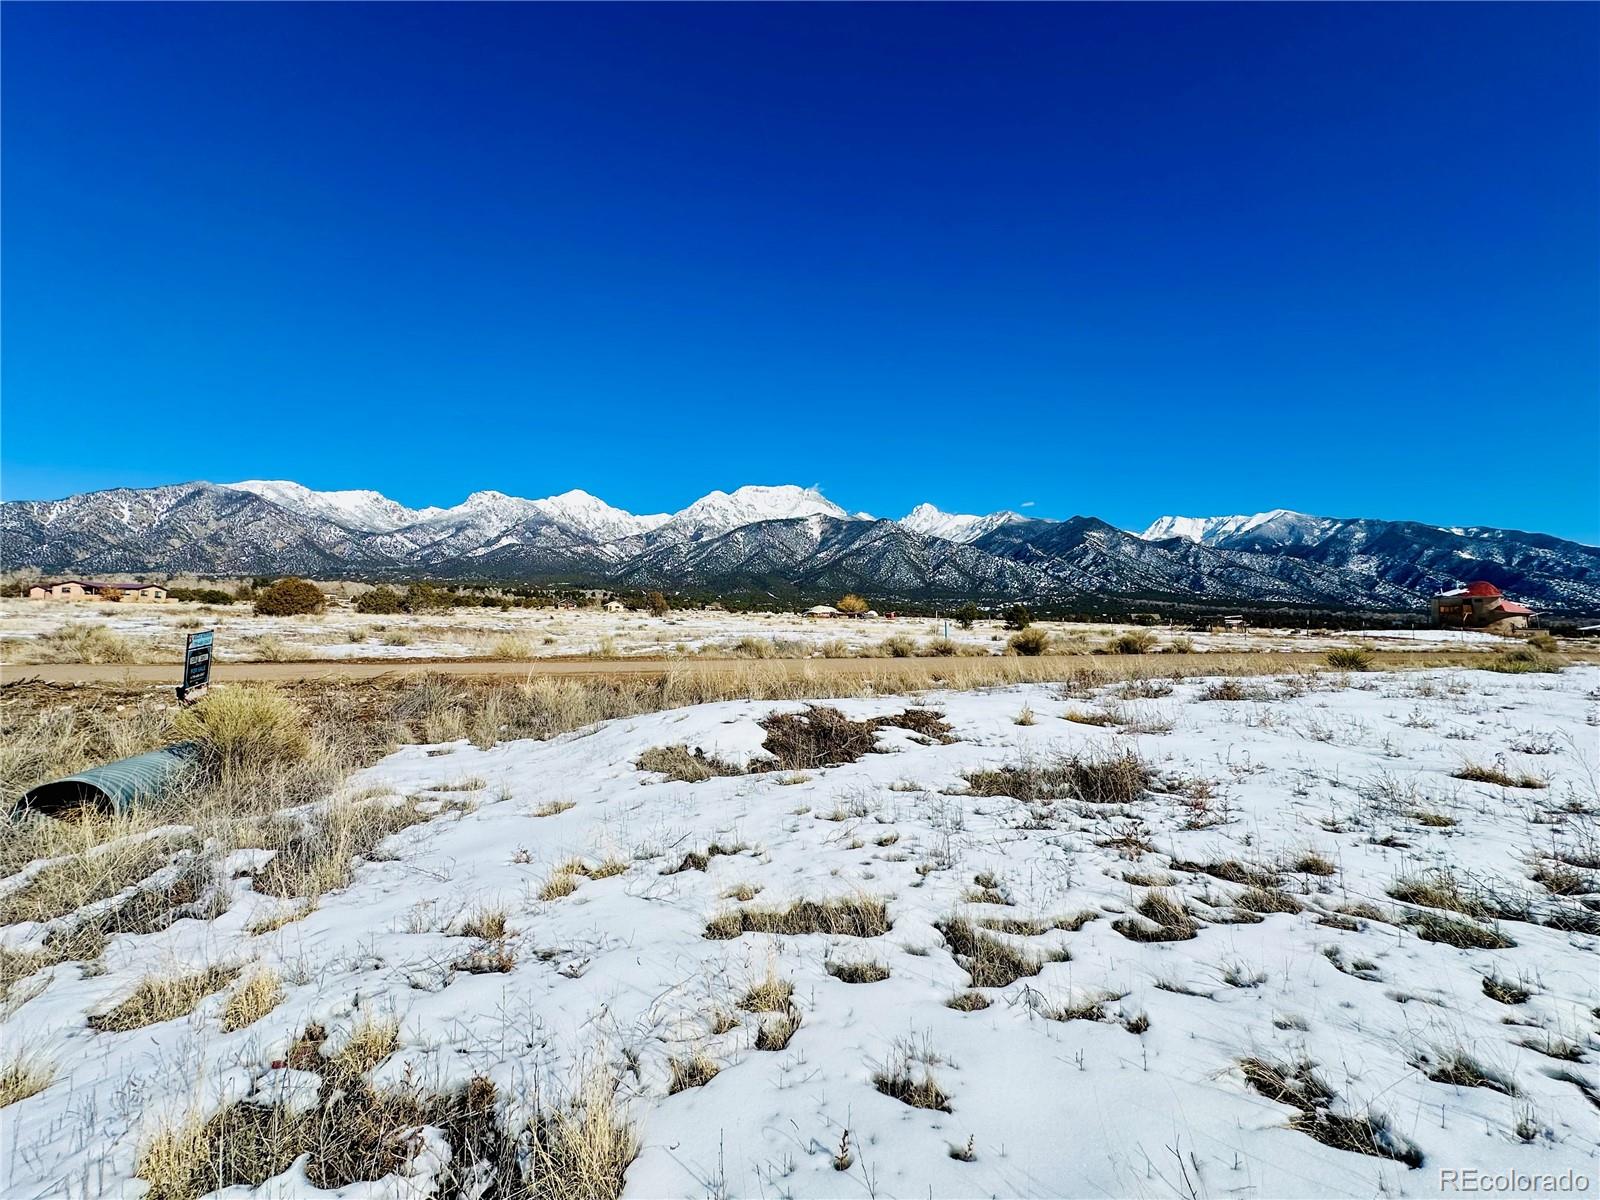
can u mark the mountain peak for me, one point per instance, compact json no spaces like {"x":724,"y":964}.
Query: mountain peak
{"x":1208,"y":531}
{"x":719,"y":511}
{"x":954,"y":527}
{"x":360,"y":509}
{"x":591,"y":515}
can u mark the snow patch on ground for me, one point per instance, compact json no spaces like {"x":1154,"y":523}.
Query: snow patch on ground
{"x":620,"y":970}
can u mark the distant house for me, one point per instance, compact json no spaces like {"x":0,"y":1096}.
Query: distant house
{"x":1479,"y":605}
{"x":822,"y":610}
{"x":615,"y":606}
{"x":79,"y":589}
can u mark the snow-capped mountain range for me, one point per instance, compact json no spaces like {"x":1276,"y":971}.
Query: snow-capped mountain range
{"x":790,"y":542}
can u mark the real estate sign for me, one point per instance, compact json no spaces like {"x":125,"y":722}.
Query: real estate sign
{"x":196,"y":664}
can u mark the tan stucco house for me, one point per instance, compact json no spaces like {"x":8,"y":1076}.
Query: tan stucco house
{"x":79,"y":589}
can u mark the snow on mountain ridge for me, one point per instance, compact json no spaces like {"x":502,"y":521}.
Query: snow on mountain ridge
{"x":361,"y":508}
{"x":589,"y":514}
{"x":718,"y":511}
{"x":954,"y":527}
{"x":1207,"y":531}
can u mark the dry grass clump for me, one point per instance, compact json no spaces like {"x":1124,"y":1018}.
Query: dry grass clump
{"x":825,"y":737}
{"x":697,"y":1070}
{"x":364,"y":1136}
{"x":1028,"y":643}
{"x":316,"y":855}
{"x":276,"y":919}
{"x":897,"y":645}
{"x":562,"y":883}
{"x":768,"y":995}
{"x":1166,"y":919}
{"x":1135,"y":641}
{"x":989,"y":961}
{"x":82,"y":644}
{"x":968,"y":1002}
{"x":1521,"y":660}
{"x":1231,"y":870}
{"x":1108,"y":777}
{"x":252,"y":1000}
{"x":245,"y":729}
{"x":1441,"y":889}
{"x":683,"y":765}
{"x":1232,"y":690}
{"x":580,"y":1148}
{"x":984,"y":895}
{"x":1503,"y":991}
{"x":909,"y":1079}
{"x":78,"y":945}
{"x":1297,"y":1085}
{"x":699,"y":860}
{"x":1096,"y":718}
{"x":1090,"y":1008}
{"x":486,"y":923}
{"x":1464,"y":935}
{"x":857,"y":972}
{"x":87,"y":877}
{"x":552,"y":808}
{"x":777,"y":1032}
{"x":1034,"y":926}
{"x":850,"y":916}
{"x":512,"y":648}
{"x":1552,"y":1046}
{"x":1312,"y":863}
{"x":163,"y":998}
{"x":1349,"y":658}
{"x":371,"y":1040}
{"x":1268,"y":900}
{"x":490,"y":958}
{"x":1481,"y":773}
{"x":1459,"y":1068}
{"x":22,"y":1076}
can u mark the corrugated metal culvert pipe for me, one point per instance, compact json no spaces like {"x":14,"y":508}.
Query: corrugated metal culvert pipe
{"x":116,"y":786}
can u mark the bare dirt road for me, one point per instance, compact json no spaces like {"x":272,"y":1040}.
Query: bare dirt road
{"x":854,"y":668}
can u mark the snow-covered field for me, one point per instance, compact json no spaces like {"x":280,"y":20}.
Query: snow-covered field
{"x":158,"y":631}
{"x":1111,"y":1065}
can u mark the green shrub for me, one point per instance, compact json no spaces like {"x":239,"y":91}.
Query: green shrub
{"x":378,"y":600}
{"x":1029,"y":642}
{"x":424,"y":597}
{"x":1018,"y":616}
{"x":966,"y":615}
{"x":290,"y":597}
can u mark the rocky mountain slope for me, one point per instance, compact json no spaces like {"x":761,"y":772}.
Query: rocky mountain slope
{"x":790,"y":541}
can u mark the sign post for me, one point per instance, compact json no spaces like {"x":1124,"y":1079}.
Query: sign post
{"x":196,"y":665}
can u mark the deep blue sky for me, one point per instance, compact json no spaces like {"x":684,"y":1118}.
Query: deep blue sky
{"x":1112,"y":260}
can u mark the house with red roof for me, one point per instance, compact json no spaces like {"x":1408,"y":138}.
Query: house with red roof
{"x":1479,"y":605}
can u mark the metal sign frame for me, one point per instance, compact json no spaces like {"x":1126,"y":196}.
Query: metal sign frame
{"x":196,"y":665}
